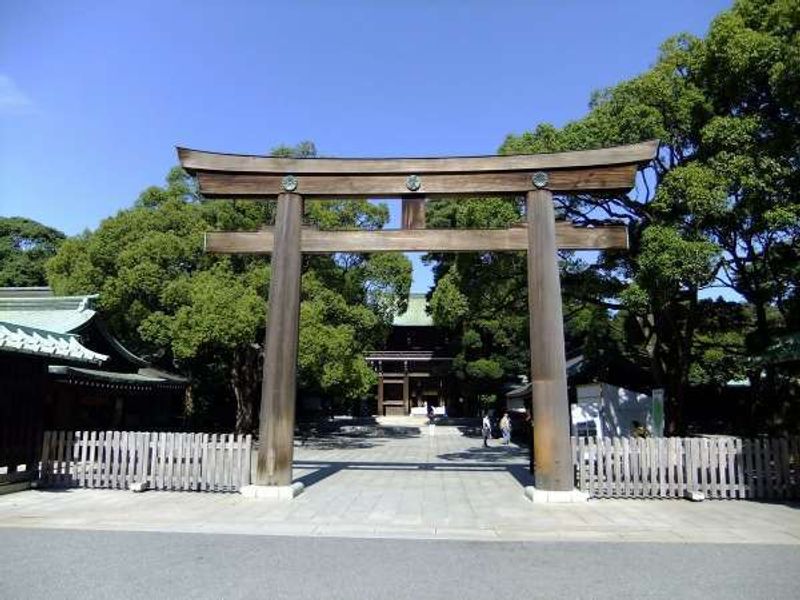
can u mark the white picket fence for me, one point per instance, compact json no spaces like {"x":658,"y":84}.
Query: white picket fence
{"x":164,"y":460}
{"x":718,"y":467}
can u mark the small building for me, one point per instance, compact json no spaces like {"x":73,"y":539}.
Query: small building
{"x":414,"y":369}
{"x":598,"y":408}
{"x":605,"y":410}
{"x":60,"y":368}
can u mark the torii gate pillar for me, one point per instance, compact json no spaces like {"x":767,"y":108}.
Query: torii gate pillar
{"x":278,"y":386}
{"x":551,"y":435}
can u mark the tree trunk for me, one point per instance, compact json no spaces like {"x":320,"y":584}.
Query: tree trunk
{"x":765,"y":395}
{"x":244,"y":381}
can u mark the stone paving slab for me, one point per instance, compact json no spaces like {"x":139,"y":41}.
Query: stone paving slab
{"x":404,"y":483}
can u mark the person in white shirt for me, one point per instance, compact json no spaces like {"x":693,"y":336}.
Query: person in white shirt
{"x":486,"y":428}
{"x":505,"y":428}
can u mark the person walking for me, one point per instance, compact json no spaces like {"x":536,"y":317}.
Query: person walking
{"x":486,"y":429}
{"x":505,"y":429}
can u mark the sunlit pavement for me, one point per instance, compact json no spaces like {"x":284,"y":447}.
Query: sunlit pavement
{"x":404,"y":483}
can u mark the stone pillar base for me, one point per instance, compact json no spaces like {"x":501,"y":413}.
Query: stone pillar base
{"x":139,"y":486}
{"x":555,"y":497}
{"x":272,"y":492}
{"x":694,"y":495}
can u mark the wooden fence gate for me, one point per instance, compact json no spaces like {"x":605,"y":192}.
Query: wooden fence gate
{"x":671,"y":467}
{"x":164,"y":461}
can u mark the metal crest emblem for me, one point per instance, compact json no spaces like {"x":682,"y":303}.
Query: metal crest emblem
{"x":540,"y":179}
{"x":413,"y":182}
{"x":289,"y":183}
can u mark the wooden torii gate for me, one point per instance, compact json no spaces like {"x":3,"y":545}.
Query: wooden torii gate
{"x":537,"y":176}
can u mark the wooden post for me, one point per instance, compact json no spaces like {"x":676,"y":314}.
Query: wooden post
{"x":406,"y":403}
{"x":413,"y":213}
{"x":380,"y":393}
{"x":278,"y":388}
{"x":551,"y":439}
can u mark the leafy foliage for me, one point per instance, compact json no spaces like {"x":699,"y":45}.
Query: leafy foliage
{"x":169,"y":300}
{"x":719,"y":207}
{"x":25,"y":246}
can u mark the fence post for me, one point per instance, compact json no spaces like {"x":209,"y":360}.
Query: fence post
{"x":44,"y":463}
{"x":246,"y":478}
{"x":672,"y":461}
{"x":785,"y":474}
{"x":713,"y":464}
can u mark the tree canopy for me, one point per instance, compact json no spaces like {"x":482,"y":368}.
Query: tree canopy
{"x":707,"y":293}
{"x":206,"y":314}
{"x":719,"y":208}
{"x":25,"y":246}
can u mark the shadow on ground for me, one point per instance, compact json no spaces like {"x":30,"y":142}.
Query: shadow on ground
{"x":321,"y":470}
{"x":491,"y":454}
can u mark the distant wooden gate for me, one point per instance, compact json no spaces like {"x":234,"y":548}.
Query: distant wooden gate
{"x":165,"y":461}
{"x":723,"y":467}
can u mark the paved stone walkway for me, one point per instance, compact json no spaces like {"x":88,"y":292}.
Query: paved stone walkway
{"x":403,"y":482}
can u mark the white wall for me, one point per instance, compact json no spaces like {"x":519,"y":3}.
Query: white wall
{"x":611,"y":410}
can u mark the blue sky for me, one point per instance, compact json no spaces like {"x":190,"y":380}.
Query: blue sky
{"x":94,"y":96}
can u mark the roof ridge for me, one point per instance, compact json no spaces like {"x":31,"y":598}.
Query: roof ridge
{"x":52,"y":313}
{"x":82,"y":299}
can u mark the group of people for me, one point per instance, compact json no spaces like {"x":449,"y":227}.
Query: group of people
{"x":505,"y":429}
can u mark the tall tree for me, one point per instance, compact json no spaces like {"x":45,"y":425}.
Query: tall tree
{"x":482,"y":298}
{"x":719,"y":206}
{"x":206,"y":314}
{"x":25,"y":246}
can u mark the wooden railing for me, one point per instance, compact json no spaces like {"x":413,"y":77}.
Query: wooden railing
{"x":716,"y":467}
{"x":161,"y":461}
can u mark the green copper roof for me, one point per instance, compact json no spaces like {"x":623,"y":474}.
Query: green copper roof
{"x":43,"y":324}
{"x":58,"y":314}
{"x":33,"y":321}
{"x":416,"y":315}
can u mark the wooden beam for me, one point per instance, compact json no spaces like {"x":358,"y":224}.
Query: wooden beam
{"x":278,"y":385}
{"x":265,"y":186}
{"x":551,"y":436}
{"x":314,"y":241}
{"x":413,"y":213}
{"x":197,"y":160}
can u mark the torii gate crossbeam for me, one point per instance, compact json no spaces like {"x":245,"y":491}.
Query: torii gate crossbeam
{"x":535,"y":176}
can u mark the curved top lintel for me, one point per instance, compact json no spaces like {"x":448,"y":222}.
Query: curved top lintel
{"x":198,"y":160}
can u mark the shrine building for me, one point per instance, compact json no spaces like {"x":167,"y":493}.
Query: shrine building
{"x":414,"y":370}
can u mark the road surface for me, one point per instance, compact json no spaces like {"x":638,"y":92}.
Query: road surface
{"x":49,"y":563}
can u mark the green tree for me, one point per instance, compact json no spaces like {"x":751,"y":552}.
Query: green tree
{"x":25,"y":246}
{"x":482,"y":298}
{"x":718,"y":207}
{"x":206,"y":314}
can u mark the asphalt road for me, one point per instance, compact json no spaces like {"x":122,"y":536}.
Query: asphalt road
{"x":46,"y":563}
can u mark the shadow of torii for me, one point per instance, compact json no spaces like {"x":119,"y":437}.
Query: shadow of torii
{"x":325,"y":469}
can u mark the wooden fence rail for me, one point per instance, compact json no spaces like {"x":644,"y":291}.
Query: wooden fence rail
{"x":672,"y":467}
{"x":164,"y":461}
